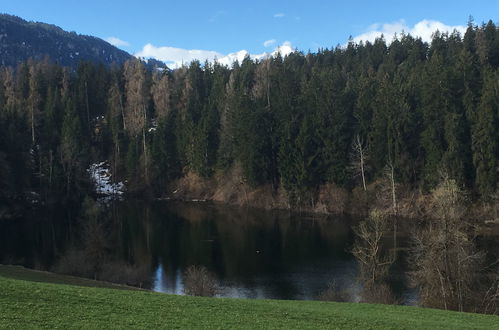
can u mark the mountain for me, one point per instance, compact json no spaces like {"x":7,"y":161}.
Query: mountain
{"x":21,"y":40}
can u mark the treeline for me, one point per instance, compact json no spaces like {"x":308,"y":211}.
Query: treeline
{"x":294,"y":123}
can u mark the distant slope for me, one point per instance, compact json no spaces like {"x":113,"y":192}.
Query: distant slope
{"x":21,"y":40}
{"x":44,"y":305}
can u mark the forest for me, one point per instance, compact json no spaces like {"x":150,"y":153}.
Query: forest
{"x":343,"y":115}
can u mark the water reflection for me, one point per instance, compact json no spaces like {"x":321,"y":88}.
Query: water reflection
{"x":168,"y":283}
{"x":254,"y":254}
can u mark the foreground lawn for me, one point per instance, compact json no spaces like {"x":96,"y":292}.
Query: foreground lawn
{"x":25,"y":304}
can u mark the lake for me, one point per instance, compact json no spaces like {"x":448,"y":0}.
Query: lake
{"x":253,"y":253}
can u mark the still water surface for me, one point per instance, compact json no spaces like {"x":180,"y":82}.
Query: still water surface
{"x":254,"y":254}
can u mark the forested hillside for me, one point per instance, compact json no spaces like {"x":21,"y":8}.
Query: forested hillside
{"x":342,"y":116}
{"x":21,"y":40}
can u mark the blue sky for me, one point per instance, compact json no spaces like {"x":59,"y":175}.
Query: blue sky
{"x":225,"y":27}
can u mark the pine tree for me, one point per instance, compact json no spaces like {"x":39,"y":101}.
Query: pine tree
{"x":485,"y":136}
{"x":434,"y":107}
{"x":71,"y":147}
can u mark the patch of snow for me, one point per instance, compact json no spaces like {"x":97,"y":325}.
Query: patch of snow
{"x":100,"y":174}
{"x":154,"y":125}
{"x":33,"y":197}
{"x":99,"y":118}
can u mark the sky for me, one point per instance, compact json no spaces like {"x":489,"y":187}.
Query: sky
{"x":179,"y":31}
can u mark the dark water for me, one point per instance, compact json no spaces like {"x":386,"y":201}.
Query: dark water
{"x":254,"y":254}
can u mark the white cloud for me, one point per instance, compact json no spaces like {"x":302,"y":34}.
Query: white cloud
{"x":215,"y":17}
{"x":117,"y":42}
{"x":268,"y":43}
{"x":285,"y":49}
{"x":175,"y":57}
{"x":423,"y":29}
{"x":279,"y":15}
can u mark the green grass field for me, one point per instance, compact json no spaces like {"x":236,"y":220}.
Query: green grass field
{"x":28,"y":304}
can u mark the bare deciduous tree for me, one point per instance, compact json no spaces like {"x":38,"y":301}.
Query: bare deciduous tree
{"x":448,"y":268}
{"x":261,"y":88}
{"x":359,"y":156}
{"x":390,"y":175}
{"x":333,"y":293}
{"x":161,"y":94}
{"x":137,"y":98}
{"x":367,"y":249}
{"x":374,"y":262}
{"x":198,"y":281}
{"x":379,"y":293}
{"x":34,"y":99}
{"x":9,"y":89}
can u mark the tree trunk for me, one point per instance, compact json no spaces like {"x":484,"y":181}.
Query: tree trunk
{"x":144,"y":144}
{"x":145,"y":154}
{"x":51,"y":159}
{"x":394,"y":195}
{"x":361,"y":151}
{"x":33,"y":125}
{"x":122,"y":108}
{"x":87,"y":105}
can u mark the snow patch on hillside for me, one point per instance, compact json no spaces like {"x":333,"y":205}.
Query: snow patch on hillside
{"x":101,"y":177}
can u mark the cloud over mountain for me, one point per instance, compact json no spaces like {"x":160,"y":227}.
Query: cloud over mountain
{"x":268,"y":43}
{"x":175,"y":57}
{"x":117,"y":42}
{"x":423,"y":29}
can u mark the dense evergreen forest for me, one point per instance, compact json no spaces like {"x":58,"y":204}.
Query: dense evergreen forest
{"x":341,"y":116}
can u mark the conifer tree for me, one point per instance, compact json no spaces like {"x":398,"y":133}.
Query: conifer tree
{"x":485,"y":136}
{"x":71,"y":146}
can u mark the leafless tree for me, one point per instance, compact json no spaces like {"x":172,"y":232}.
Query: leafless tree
{"x":490,"y":300}
{"x":373,"y":260}
{"x":368,"y":250}
{"x":137,"y":98}
{"x":34,"y":99}
{"x":390,"y":175}
{"x":359,"y":158}
{"x":379,"y":293}
{"x":9,"y":88}
{"x":161,"y":94}
{"x":448,"y":268}
{"x":198,"y":281}
{"x":261,"y":88}
{"x":333,"y":293}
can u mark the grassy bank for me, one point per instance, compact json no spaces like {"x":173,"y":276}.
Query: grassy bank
{"x":21,"y":273}
{"x":26,"y":304}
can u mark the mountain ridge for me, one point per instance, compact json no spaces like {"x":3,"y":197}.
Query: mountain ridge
{"x":21,"y":40}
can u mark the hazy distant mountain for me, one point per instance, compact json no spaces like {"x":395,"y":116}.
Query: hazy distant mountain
{"x":20,"y":40}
